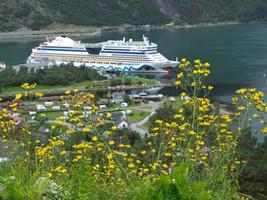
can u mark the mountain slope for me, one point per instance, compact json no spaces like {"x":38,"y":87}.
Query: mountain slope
{"x":35,"y":14}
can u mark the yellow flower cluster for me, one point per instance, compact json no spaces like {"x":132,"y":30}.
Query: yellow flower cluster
{"x":28,"y":86}
{"x":192,"y":75}
{"x":38,"y":94}
{"x":251,"y":100}
{"x":196,"y":134}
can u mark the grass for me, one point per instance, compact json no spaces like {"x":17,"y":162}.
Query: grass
{"x":147,"y":124}
{"x":137,"y":116}
{"x":146,"y":107}
{"x":50,"y":115}
{"x":50,"y":87}
{"x":54,"y":115}
{"x":174,"y":104}
{"x":80,"y":85}
{"x":137,"y":80}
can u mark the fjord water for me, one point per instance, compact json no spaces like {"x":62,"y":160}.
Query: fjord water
{"x":238,"y":53}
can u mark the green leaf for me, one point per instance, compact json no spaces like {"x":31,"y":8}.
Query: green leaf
{"x":164,"y":183}
{"x":204,"y":196}
{"x":180,"y":170}
{"x":198,"y":187}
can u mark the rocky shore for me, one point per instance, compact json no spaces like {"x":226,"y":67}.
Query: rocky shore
{"x":81,"y":31}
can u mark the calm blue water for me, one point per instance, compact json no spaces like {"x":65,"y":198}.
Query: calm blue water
{"x":238,"y":53}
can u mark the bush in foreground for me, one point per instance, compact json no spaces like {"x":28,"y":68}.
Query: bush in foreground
{"x":192,"y":157}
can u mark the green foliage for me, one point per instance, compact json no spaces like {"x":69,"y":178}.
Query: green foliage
{"x":176,"y":186}
{"x":58,"y":75}
{"x":87,"y":157}
{"x":19,"y":187}
{"x":105,"y":12}
{"x":194,"y":11}
{"x":40,"y":21}
{"x":165,"y":113}
{"x":128,"y":81}
{"x":115,"y":82}
{"x":18,"y":14}
{"x":254,"y":175}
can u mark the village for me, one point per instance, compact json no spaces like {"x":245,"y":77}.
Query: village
{"x":130,"y":111}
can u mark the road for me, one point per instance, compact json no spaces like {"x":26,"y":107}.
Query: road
{"x":137,"y":126}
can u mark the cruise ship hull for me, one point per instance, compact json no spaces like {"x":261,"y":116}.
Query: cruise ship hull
{"x":160,"y":67}
{"x":119,"y":55}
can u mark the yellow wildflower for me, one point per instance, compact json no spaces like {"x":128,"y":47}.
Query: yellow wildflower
{"x":94,"y":138}
{"x":18,"y":96}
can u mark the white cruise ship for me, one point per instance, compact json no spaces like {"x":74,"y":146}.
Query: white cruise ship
{"x":112,"y":55}
{"x":2,"y":66}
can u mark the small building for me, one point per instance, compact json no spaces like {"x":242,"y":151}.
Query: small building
{"x":122,"y":123}
{"x":129,"y":112}
{"x":87,"y":108}
{"x":138,"y":97}
{"x":66,"y":105}
{"x":102,"y":101}
{"x":18,"y":103}
{"x":48,"y":103}
{"x":32,"y":113}
{"x":123,"y":105}
{"x":87,"y":113}
{"x":66,"y":113}
{"x":4,"y":105}
{"x":40,"y":108}
{"x":56,"y":108}
{"x":116,"y":116}
{"x":17,"y":118}
{"x":172,"y":99}
{"x":186,"y":98}
{"x":143,"y":94}
{"x":117,"y":97}
{"x":102,"y":107}
{"x":52,"y":98}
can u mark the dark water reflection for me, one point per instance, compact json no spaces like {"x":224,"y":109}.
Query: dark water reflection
{"x":238,"y":53}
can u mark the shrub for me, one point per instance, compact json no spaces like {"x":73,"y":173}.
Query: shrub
{"x":193,"y":156}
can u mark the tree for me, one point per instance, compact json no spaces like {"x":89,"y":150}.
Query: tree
{"x":128,"y":81}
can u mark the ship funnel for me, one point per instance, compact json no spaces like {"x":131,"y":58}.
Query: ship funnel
{"x":124,"y":39}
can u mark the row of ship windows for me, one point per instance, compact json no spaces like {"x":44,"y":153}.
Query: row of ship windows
{"x":135,"y":60}
{"x":119,"y":59}
{"x":99,"y":62}
{"x":129,"y":58}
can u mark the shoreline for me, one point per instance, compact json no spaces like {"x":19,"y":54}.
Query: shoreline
{"x":78,"y":32}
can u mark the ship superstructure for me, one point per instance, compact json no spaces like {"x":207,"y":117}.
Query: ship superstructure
{"x":2,"y":66}
{"x":112,"y":55}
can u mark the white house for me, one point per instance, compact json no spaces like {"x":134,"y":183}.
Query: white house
{"x":123,"y":105}
{"x":40,"y":108}
{"x":129,"y":112}
{"x":66,"y":105}
{"x":118,"y":97}
{"x":87,"y":113}
{"x":48,"y":103}
{"x":87,"y":108}
{"x":102,"y":107}
{"x":32,"y":113}
{"x":56,"y":108}
{"x":122,"y":123}
{"x":172,"y":99}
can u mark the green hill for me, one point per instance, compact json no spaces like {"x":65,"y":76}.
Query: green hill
{"x":36,"y":14}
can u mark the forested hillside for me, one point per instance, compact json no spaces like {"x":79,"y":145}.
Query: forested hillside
{"x":36,"y":14}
